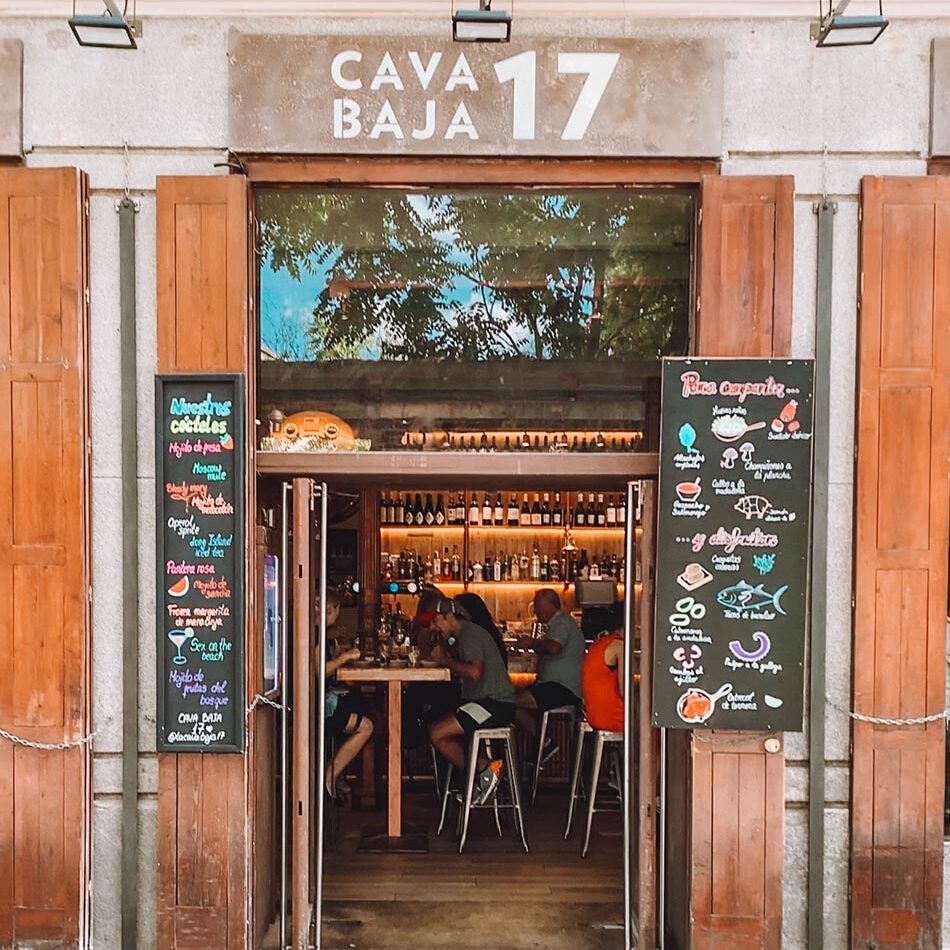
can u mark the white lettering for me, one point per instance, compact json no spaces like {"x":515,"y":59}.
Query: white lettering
{"x":386,"y":75}
{"x":425,"y":73}
{"x":346,"y":119}
{"x":461,"y":124}
{"x":386,"y":122}
{"x":429,"y":130}
{"x":336,"y":69}
{"x":461,"y":75}
{"x":522,"y":72}
{"x":599,"y":68}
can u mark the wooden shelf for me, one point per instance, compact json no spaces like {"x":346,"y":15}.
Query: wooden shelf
{"x":422,"y":528}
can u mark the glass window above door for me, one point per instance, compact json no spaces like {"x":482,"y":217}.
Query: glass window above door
{"x":470,"y":319}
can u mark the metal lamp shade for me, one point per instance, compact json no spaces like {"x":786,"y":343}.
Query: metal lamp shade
{"x":102,"y":32}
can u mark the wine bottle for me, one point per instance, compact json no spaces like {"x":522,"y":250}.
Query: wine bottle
{"x":525,"y":514}
{"x":428,"y":513}
{"x":488,"y":569}
{"x":486,"y":510}
{"x":446,"y":564}
{"x":545,"y":569}
{"x":499,"y":518}
{"x":514,"y":517}
{"x":399,"y":510}
{"x":546,"y":510}
{"x":535,"y":566}
{"x":611,"y":512}
{"x":418,"y":510}
{"x":583,"y":566}
{"x":473,"y":510}
{"x":622,"y":510}
{"x":601,"y":511}
{"x":536,"y":512}
{"x":557,"y":515}
{"x":580,"y":515}
{"x":440,"y":512}
{"x":409,"y":517}
{"x":456,"y":565}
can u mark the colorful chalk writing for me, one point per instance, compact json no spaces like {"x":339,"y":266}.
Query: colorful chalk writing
{"x":732,"y":544}
{"x":200,"y":582}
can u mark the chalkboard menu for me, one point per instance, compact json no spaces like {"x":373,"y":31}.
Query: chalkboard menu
{"x":200,"y":565}
{"x":732,"y":544}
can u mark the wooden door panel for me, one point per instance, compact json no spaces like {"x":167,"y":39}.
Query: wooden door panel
{"x":202,"y":286}
{"x":901,"y":542}
{"x":737,"y":808}
{"x":44,"y":560}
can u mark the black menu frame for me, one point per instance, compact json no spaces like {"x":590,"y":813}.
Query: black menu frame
{"x":733,"y":544}
{"x":223,"y":386}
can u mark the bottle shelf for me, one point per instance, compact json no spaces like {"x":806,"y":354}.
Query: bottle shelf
{"x":534,"y":585}
{"x":423,"y":528}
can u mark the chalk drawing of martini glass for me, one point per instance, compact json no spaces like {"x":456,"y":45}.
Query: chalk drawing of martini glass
{"x":178,"y":637}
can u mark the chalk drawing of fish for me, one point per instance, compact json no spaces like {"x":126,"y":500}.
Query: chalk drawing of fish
{"x":743,"y":596}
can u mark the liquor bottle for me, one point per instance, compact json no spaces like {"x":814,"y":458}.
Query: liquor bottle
{"x":580,"y":515}
{"x":574,"y":444}
{"x":545,"y":569}
{"x":613,"y":565}
{"x":436,"y":565}
{"x":496,"y":567}
{"x":514,"y":568}
{"x":507,"y":445}
{"x":622,"y":509}
{"x":488,"y":569}
{"x":409,"y":515}
{"x":546,"y":510}
{"x":514,"y":516}
{"x":486,"y":510}
{"x":611,"y":512}
{"x":440,"y":512}
{"x":456,"y":565}
{"x":473,"y":510}
{"x":494,"y":445}
{"x":555,"y":569}
{"x":536,"y":512}
{"x":583,"y":566}
{"x":601,"y":511}
{"x":557,"y":515}
{"x":546,"y":446}
{"x":428,"y":513}
{"x":524,"y":515}
{"x":525,"y":566}
{"x":385,"y":509}
{"x":537,"y":444}
{"x":428,"y":570}
{"x":505,"y":568}
{"x":594,"y":573}
{"x":483,"y":443}
{"x":499,"y":518}
{"x":418,"y":510}
{"x":446,"y":565}
{"x":535,"y":566}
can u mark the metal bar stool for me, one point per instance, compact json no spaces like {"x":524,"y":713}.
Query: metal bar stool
{"x":601,"y":740}
{"x":571,"y":713}
{"x":505,"y":735}
{"x":577,"y":779}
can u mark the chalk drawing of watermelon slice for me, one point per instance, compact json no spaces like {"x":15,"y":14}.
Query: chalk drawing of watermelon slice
{"x":227,"y":442}
{"x":179,"y":588}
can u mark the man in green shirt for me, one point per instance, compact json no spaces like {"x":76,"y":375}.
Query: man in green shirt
{"x":488,"y":698}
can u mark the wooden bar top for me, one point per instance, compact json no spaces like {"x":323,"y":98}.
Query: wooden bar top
{"x":389,"y":674}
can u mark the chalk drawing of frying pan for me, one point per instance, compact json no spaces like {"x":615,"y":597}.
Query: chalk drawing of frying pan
{"x":750,"y":656}
{"x":696,"y":705}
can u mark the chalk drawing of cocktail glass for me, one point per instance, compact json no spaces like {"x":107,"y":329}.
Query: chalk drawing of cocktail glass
{"x":178,"y":637}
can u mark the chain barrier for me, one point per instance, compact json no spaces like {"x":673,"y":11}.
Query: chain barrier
{"x":260,"y":698}
{"x":49,"y":746}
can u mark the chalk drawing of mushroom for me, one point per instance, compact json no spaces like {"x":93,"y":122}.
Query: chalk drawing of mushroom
{"x":728,"y":458}
{"x":746,"y":450}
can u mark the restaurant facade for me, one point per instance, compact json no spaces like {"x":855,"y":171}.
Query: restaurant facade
{"x":264,"y":212}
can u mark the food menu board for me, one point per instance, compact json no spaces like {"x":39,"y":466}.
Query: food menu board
{"x":200,"y":563}
{"x":732,"y":544}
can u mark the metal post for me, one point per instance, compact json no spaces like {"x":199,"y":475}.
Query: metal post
{"x":126,"y":209}
{"x":284,"y":630}
{"x":628,"y":635}
{"x":826,"y":211}
{"x":321,"y":709}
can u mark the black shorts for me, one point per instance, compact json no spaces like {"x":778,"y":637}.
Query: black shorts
{"x":347,"y":705}
{"x":484,"y":714}
{"x":552,"y":695}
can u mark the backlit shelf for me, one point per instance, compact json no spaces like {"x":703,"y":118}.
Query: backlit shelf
{"x":422,"y":528}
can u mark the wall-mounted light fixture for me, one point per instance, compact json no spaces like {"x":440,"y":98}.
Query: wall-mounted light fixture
{"x":108,"y":30}
{"x":836,"y":29}
{"x":483,"y":25}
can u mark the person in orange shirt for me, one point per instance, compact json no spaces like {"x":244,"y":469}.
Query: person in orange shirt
{"x":602,"y":683}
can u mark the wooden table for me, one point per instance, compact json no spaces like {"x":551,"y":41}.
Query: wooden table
{"x":394,"y":677}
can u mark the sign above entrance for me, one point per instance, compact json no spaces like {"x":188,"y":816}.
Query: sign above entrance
{"x":732,"y":544}
{"x":419,"y":95}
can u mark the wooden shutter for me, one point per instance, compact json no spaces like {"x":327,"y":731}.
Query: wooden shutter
{"x":44,"y":554}
{"x":203,"y":267}
{"x":901,"y":540}
{"x":737,"y":790}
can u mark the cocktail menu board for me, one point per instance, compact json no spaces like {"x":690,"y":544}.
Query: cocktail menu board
{"x":733,"y":543}
{"x":200,"y":564}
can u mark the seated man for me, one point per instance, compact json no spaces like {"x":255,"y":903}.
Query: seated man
{"x":488,"y":698}
{"x":603,"y":683}
{"x":560,"y":655}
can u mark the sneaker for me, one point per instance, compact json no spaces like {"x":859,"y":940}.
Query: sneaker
{"x":549,"y":750}
{"x":488,"y":782}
